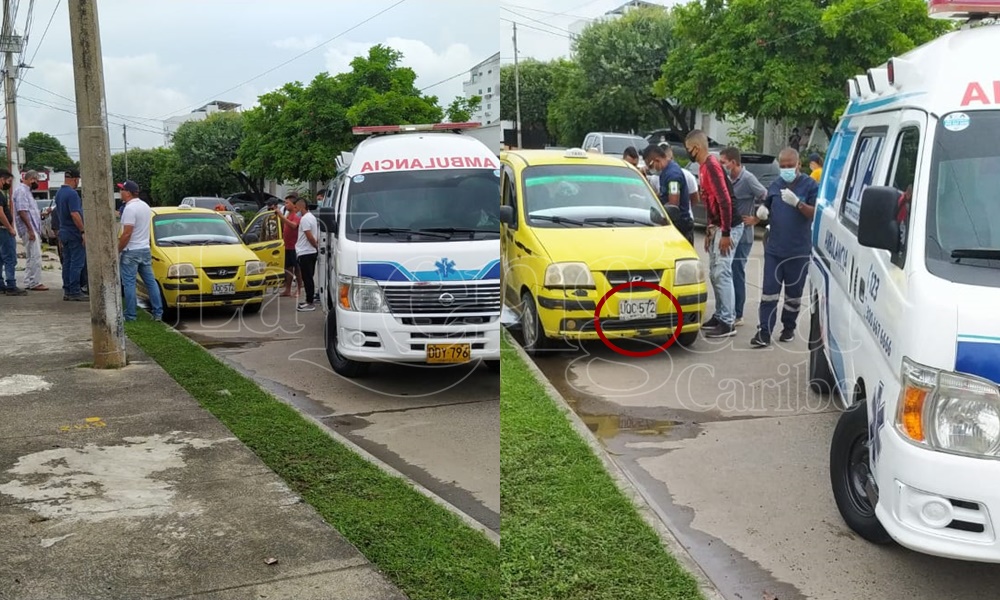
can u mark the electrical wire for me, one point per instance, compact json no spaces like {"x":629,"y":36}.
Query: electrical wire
{"x":536,"y":21}
{"x":452,"y":78}
{"x":526,"y":26}
{"x":40,"y":42}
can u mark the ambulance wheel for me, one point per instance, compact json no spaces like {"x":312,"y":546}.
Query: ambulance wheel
{"x":493,"y":365}
{"x":344,"y":367}
{"x":821,"y":379}
{"x":531,"y":327}
{"x":849,"y":470}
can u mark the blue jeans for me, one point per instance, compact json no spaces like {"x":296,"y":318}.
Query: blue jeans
{"x":787,"y":273}
{"x":139,"y":262}
{"x":721,"y":275}
{"x":75,"y":261}
{"x":8,"y":256}
{"x":740,"y":269}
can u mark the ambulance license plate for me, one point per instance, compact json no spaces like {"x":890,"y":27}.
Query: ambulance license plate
{"x":449,"y":353}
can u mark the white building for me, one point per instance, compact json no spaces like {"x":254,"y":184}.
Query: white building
{"x":577,"y":27}
{"x":170,"y":125}
{"x":484,"y":81}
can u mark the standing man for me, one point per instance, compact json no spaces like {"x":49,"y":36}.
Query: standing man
{"x":673,"y":186}
{"x":790,"y":206}
{"x":749,"y":193}
{"x":133,"y":245}
{"x":29,"y":229}
{"x":306,"y":250}
{"x":725,"y":229}
{"x":289,"y":217}
{"x":8,"y":239}
{"x":69,"y":215}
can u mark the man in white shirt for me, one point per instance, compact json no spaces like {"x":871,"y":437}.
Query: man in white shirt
{"x":307,"y":249}
{"x":133,"y":245}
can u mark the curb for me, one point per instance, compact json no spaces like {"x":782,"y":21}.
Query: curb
{"x":625,"y":483}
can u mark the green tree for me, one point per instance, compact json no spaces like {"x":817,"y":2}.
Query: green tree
{"x":170,"y":184}
{"x":460,"y":110}
{"x":42,"y":151}
{"x":785,"y":59}
{"x":536,"y":92}
{"x":297,"y":132}
{"x":142,"y":166}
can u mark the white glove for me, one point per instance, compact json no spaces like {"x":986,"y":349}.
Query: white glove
{"x":763,"y":213}
{"x":789,"y":197}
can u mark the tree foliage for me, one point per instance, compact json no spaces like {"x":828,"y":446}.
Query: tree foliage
{"x":297,"y":132}
{"x":461,"y":109}
{"x":785,"y":59}
{"x":42,"y":151}
{"x":536,"y":92}
{"x":142,"y":167}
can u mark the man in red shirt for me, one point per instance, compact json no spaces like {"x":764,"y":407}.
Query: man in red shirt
{"x":290,"y":234}
{"x":725,"y":228}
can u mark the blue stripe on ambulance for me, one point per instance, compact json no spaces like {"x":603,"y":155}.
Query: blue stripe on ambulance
{"x":836,"y":356}
{"x":979,"y":355}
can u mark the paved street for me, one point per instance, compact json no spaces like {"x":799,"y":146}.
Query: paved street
{"x":733,"y":451}
{"x":441,"y":428}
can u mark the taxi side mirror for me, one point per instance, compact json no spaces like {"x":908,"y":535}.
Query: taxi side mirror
{"x":507,"y":215}
{"x":674,"y":212}
{"x":250,"y":238}
{"x":877,"y":224}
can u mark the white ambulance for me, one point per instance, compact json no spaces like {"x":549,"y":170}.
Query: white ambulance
{"x":905,"y":286}
{"x":409,"y":265}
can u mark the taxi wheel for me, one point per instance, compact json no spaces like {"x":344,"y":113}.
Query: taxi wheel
{"x":687,"y":339}
{"x":821,"y":379}
{"x":849,"y":470}
{"x":341,"y":366}
{"x":531,"y":326}
{"x":252,"y":308}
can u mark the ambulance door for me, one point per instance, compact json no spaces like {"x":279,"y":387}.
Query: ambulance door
{"x":327,"y":242}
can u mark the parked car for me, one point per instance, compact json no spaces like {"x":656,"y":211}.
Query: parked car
{"x":615,"y":144}
{"x":246,"y":202}
{"x":676,"y":141}
{"x":211,"y":203}
{"x":763,"y":166}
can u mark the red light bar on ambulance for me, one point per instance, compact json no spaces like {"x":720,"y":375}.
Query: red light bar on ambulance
{"x":963,"y":9}
{"x":373,"y":129}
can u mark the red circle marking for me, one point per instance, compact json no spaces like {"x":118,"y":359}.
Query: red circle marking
{"x":628,"y":286}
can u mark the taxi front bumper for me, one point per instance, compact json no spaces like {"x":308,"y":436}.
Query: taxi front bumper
{"x":574,"y":319}
{"x":192,"y":293}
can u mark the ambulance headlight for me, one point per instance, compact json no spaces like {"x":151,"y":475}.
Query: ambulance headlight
{"x":361,"y":294}
{"x":949,"y":412}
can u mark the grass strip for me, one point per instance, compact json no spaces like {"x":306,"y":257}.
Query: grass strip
{"x":568,"y":531}
{"x":428,"y":552}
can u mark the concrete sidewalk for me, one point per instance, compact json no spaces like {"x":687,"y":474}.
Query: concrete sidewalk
{"x":118,"y":485}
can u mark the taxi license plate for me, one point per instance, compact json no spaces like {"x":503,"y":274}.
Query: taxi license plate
{"x":632,"y":310}
{"x":449,"y":353}
{"x":223,"y":289}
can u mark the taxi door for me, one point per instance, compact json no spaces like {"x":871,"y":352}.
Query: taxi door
{"x":264,"y":233}
{"x":508,"y":269}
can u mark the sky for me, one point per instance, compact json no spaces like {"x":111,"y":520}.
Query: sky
{"x":163,"y":59}
{"x":543,"y":30}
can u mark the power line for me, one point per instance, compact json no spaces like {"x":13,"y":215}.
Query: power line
{"x":73,"y":112}
{"x":562,"y":35}
{"x":294,"y":58}
{"x":535,"y":20}
{"x":453,"y":77}
{"x":40,"y":42}
{"x":549,"y":12}
{"x":124,"y":117}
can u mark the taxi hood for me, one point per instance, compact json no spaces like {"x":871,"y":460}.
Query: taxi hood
{"x":206,"y":256}
{"x":477,"y":260}
{"x":606,"y":248}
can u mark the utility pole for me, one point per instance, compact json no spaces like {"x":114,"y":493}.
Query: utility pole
{"x":517,"y":90}
{"x":10,"y":44}
{"x":125,"y":135}
{"x":98,"y":201}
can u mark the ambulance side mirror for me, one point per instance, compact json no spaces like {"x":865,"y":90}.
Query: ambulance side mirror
{"x":877,"y":223}
{"x":507,"y":215}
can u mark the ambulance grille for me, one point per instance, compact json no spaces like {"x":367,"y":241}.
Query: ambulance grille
{"x":444,"y":299}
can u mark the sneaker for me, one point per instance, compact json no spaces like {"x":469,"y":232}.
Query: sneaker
{"x":721,"y":331}
{"x":711,"y":323}
{"x":15,"y":291}
{"x":760,"y":340}
{"x":738,"y":322}
{"x":306,"y":307}
{"x":787,"y":336}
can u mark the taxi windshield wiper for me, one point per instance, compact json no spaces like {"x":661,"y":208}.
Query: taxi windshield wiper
{"x":557,"y":219}
{"x":613,"y":220}
{"x":976,"y":253}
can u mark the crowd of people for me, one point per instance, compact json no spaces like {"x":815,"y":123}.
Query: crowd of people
{"x":736,"y":203}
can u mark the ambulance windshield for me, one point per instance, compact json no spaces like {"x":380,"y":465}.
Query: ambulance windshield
{"x":424,"y":206}
{"x":963,"y":232}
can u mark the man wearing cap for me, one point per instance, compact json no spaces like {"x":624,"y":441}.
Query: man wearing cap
{"x":69,"y":214}
{"x":8,"y":240}
{"x":29,"y":229}
{"x":136,"y":259}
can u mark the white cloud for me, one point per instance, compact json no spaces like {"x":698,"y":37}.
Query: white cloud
{"x":430,"y":66}
{"x":297,"y":43}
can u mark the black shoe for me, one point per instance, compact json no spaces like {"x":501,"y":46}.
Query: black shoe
{"x":711,"y":323}
{"x":721,"y":331}
{"x":760,"y":340}
{"x":78,"y":298}
{"x":787,"y":336}
{"x":15,"y":291}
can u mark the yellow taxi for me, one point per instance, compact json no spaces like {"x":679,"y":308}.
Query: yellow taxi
{"x":574,"y":225}
{"x":200,"y":261}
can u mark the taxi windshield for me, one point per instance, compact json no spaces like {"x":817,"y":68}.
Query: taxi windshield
{"x":588,"y":196}
{"x":963,"y":233}
{"x":424,"y":206}
{"x":193,"y":230}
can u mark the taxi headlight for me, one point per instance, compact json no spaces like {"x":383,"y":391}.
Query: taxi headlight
{"x":949,"y":412}
{"x":688,"y":271}
{"x":181,"y":270}
{"x":361,"y":294}
{"x":256,"y":267}
{"x":569,"y":275}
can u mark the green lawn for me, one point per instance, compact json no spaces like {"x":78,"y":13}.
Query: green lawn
{"x":424,"y":549}
{"x":568,"y":531}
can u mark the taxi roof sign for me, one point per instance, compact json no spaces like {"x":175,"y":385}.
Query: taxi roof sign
{"x":963,"y":9}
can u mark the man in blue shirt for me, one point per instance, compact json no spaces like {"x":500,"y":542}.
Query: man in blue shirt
{"x":69,"y":208}
{"x":673,"y":185}
{"x":790,"y":206}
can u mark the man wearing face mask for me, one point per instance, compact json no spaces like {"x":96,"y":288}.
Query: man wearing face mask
{"x":29,"y":229}
{"x":790,"y":206}
{"x":672,"y":185}
{"x":8,"y":240}
{"x":69,"y":209}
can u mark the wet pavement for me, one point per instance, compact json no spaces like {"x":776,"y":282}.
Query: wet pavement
{"x":731,"y":450}
{"x":438,"y":426}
